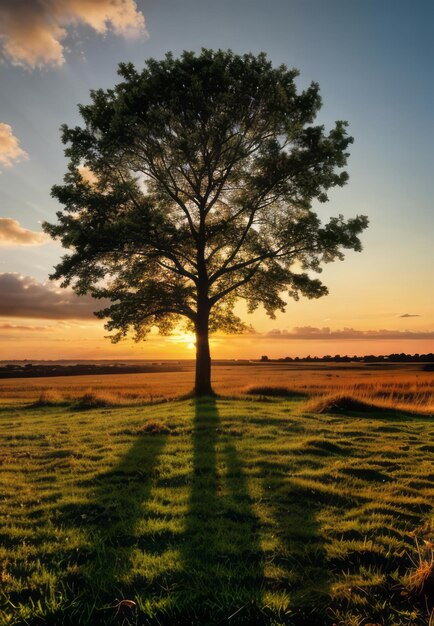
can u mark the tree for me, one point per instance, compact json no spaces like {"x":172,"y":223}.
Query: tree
{"x":201,"y":174}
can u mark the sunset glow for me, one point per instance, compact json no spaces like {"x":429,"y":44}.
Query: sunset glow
{"x":379,"y":301}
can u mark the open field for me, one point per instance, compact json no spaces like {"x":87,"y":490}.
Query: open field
{"x":215,"y":512}
{"x":402,"y":386}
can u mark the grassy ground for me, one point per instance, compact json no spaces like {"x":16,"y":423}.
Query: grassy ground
{"x":215,"y":512}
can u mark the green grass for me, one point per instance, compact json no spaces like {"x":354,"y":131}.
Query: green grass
{"x":214,"y":512}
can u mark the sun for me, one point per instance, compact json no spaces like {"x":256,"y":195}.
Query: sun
{"x":187,"y":340}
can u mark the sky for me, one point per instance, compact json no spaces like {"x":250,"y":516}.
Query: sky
{"x":374,"y":62}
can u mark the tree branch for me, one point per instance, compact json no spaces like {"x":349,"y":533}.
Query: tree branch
{"x":236,"y":285}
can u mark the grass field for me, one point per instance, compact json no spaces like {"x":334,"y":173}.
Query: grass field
{"x":227,"y":511}
{"x":400,"y":386}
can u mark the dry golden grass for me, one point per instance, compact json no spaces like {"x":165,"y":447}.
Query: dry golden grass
{"x":420,"y":580}
{"x":48,"y":397}
{"x":352,"y":400}
{"x":401,"y":387}
{"x":337,"y":403}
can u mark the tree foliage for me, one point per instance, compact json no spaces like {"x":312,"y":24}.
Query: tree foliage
{"x":204,"y":171}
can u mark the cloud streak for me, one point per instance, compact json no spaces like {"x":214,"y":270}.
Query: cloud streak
{"x":10,"y":150}
{"x":324,"y":334}
{"x":13,"y":234}
{"x":32,"y":31}
{"x":23,"y":328}
{"x":409,"y":315}
{"x":25,"y":297}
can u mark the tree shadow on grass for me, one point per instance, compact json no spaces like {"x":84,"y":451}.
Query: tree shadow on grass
{"x":224,"y":575}
{"x":223,"y":561}
{"x":235,"y":572}
{"x":109,"y":519}
{"x":301,"y":572}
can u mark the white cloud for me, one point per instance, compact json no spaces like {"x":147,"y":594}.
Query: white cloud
{"x":10,"y":151}
{"x":32,"y":31}
{"x":13,"y":234}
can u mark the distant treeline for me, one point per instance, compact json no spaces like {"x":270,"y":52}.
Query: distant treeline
{"x":33,"y":371}
{"x":370,"y":358}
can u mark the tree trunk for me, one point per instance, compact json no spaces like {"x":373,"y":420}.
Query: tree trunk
{"x":202,"y":386}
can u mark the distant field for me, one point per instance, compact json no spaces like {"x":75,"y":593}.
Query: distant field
{"x":216,"y":512}
{"x":407,"y":387}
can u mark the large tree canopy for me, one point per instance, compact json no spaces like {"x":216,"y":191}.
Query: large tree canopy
{"x":190,"y":184}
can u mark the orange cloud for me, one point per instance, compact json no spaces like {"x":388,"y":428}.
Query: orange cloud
{"x":32,"y":31}
{"x":10,"y":150}
{"x":87,"y":175}
{"x":25,"y":297}
{"x":13,"y":234}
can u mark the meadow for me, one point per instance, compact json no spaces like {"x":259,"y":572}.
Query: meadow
{"x":401,"y":386}
{"x":310,"y":505}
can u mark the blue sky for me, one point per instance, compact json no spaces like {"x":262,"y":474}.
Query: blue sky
{"x":373,"y":60}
